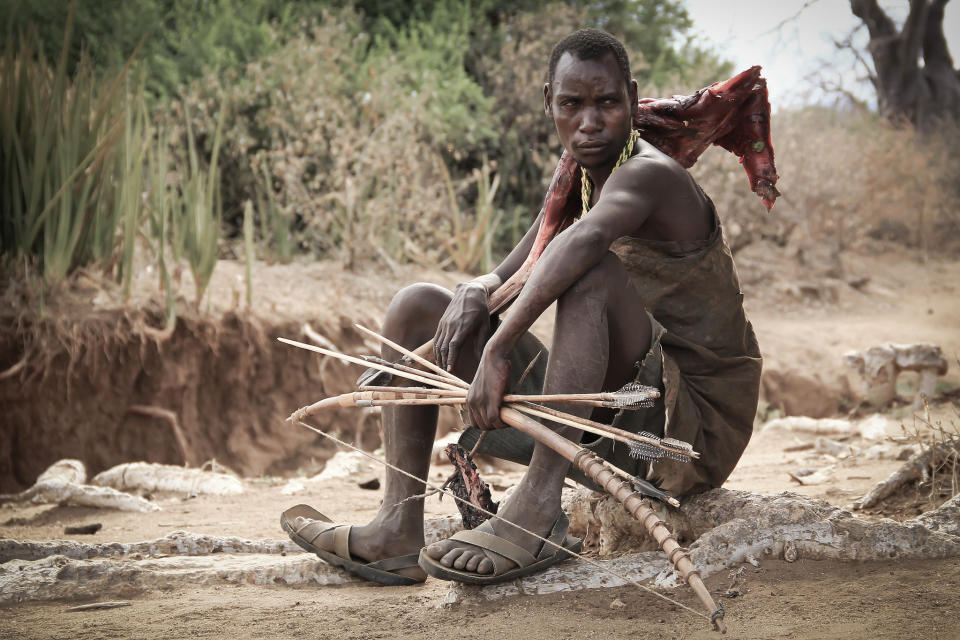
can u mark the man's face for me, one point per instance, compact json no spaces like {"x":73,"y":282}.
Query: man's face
{"x":592,"y":108}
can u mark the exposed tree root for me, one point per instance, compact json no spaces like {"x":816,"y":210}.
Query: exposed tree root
{"x":729,"y":528}
{"x":69,"y":570}
{"x":148,"y":476}
{"x":60,"y":578}
{"x":63,"y":483}
{"x":171,"y":419}
{"x":914,"y":469}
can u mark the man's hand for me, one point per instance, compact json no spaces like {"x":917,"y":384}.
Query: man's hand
{"x":488,"y":388}
{"x":466,"y":320}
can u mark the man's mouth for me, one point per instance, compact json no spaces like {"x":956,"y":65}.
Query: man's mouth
{"x":591,"y":146}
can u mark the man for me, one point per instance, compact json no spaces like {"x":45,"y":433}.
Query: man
{"x":646,"y":290}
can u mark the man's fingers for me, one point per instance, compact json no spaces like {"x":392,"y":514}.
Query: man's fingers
{"x":495,"y":421}
{"x":452,"y":354}
{"x":440,"y":347}
{"x":475,"y":419}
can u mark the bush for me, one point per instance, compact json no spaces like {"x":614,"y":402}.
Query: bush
{"x":181,"y":38}
{"x":342,"y":136}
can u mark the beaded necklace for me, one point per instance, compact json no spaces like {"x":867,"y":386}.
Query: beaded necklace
{"x":586,"y":185}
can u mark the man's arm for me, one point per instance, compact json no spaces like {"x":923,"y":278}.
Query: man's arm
{"x":520,"y":252}
{"x":629,"y":198}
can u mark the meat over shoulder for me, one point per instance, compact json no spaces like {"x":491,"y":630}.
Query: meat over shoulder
{"x":734,"y":114}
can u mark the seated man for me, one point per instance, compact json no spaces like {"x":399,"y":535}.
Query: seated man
{"x":646,"y":291}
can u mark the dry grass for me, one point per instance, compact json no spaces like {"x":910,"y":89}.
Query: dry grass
{"x":941,"y":444}
{"x":845,"y":177}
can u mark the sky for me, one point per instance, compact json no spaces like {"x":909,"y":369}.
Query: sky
{"x":799,"y":55}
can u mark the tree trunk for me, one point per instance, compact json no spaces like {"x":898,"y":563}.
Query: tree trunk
{"x":915,"y":78}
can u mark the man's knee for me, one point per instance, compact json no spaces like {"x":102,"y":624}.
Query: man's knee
{"x":415,"y":310}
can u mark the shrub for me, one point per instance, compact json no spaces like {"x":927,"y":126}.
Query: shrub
{"x":343,"y":136}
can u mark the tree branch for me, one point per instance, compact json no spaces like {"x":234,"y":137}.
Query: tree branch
{"x":911,"y":38}
{"x":878,"y":23}
{"x":936,"y":55}
{"x":786,"y":21}
{"x":847,"y":45}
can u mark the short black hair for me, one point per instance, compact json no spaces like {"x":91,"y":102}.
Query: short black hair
{"x":590,"y":44}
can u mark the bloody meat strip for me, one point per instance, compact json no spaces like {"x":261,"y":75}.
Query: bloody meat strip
{"x":734,"y":114}
{"x":466,"y":484}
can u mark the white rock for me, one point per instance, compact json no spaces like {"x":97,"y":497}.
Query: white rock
{"x":878,"y":427}
{"x":292,"y":486}
{"x":345,"y":464}
{"x":879,"y":451}
{"x":834,"y":448}
{"x":62,"y":483}
{"x":824,"y":426}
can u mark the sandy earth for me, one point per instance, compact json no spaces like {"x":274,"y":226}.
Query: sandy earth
{"x":904,"y":301}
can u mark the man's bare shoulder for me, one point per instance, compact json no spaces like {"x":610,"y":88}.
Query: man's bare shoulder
{"x":650,"y":173}
{"x":672,"y":206}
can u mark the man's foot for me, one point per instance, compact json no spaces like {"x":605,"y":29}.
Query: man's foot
{"x":509,"y":560}
{"x":368,"y":550}
{"x":521,"y":510}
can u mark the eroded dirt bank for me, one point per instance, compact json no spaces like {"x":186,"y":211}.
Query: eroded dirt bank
{"x":96,"y":383}
{"x":95,"y":379}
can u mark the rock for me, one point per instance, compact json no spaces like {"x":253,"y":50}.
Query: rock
{"x":344,"y":465}
{"x":878,"y":427}
{"x":873,"y":372}
{"x":834,"y":448}
{"x":821,"y":426}
{"x":292,"y":486}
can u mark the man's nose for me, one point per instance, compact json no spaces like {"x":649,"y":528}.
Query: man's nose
{"x":591,"y":120}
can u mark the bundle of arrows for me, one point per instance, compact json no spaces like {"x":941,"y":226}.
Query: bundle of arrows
{"x":437,"y":386}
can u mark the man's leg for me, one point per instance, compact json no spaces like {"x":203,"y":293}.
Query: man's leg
{"x":602,"y":330}
{"x":408,"y":434}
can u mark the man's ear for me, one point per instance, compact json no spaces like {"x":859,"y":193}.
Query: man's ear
{"x":633,"y":92}
{"x":548,"y":100}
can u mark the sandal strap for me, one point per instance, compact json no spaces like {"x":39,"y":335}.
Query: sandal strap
{"x":313,"y":529}
{"x":493,"y":545}
{"x":341,"y":541}
{"x":557,"y":535}
{"x":397,"y":562}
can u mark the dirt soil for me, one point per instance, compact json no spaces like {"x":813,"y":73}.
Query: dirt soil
{"x":803,"y":332}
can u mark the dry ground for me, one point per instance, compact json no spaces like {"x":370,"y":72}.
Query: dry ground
{"x":904,"y":301}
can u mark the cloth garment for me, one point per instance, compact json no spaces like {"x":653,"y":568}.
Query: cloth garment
{"x":703,"y":357}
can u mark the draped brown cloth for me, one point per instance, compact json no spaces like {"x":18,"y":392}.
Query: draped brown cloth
{"x":711,"y":360}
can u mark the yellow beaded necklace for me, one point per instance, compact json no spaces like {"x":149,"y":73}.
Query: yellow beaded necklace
{"x":586,"y":185}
